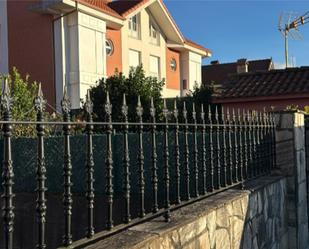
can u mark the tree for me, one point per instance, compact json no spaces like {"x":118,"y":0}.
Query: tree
{"x":136,"y":84}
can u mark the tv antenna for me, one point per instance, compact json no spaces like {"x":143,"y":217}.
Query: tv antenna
{"x":288,"y":27}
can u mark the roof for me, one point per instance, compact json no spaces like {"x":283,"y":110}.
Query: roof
{"x":268,"y":83}
{"x":124,"y":7}
{"x":219,"y":73}
{"x":195,"y":45}
{"x":101,"y":5}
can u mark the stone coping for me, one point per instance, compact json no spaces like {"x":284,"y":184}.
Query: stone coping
{"x":142,"y":234}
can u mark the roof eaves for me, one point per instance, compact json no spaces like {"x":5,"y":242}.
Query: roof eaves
{"x":198,"y":46}
{"x":107,"y":10}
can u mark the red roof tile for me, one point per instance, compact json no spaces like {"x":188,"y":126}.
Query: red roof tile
{"x":269,"y":83}
{"x":125,"y":7}
{"x":100,"y":5}
{"x":220,"y":72}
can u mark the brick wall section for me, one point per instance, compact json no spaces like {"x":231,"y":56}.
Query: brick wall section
{"x":234,"y":219}
{"x":291,"y":162}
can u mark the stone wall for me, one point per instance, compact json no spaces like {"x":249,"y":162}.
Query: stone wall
{"x":250,"y":219}
{"x":291,"y":162}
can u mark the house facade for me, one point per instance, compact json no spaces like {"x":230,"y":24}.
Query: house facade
{"x":74,"y":43}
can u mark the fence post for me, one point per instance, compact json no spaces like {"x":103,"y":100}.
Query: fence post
{"x":245,"y":122}
{"x":7,"y":164}
{"x":230,"y":148}
{"x":204,"y":171}
{"x":154,"y":168}
{"x":109,"y":189}
{"x":89,"y":166}
{"x":67,"y":171}
{"x":126,"y":162}
{"x":166,"y":176}
{"x":39,"y":105}
{"x":195,"y":153}
{"x":186,"y":153}
{"x":139,"y":112}
{"x":211,"y":149}
{"x":224,"y":150}
{"x":241,"y":147}
{"x":218,"y":149}
{"x":291,"y":162}
{"x":177,"y":154}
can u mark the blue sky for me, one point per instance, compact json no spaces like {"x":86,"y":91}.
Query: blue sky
{"x":241,"y":29}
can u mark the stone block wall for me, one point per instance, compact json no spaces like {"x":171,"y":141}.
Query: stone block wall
{"x":291,"y":162}
{"x":249,"y":219}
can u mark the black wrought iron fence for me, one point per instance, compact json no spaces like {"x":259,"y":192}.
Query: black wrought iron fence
{"x":216,"y":151}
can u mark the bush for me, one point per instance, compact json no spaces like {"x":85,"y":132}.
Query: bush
{"x":23,"y":93}
{"x":199,"y":95}
{"x":136,"y":84}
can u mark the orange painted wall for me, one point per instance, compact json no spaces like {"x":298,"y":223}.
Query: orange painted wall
{"x":30,"y":38}
{"x":172,"y":77}
{"x":115,"y":60}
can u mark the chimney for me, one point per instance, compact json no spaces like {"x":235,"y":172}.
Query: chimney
{"x":214,"y":62}
{"x":242,"y":66}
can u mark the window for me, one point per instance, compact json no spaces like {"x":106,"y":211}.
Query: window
{"x":154,"y":66}
{"x":134,"y":58}
{"x":109,"y":46}
{"x":153,"y":34}
{"x":134,"y":26}
{"x":173,"y":64}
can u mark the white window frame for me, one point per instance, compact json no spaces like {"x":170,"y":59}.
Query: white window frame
{"x":134,"y":26}
{"x":173,"y":65}
{"x":109,"y":45}
{"x":139,"y":58}
{"x":155,"y":74}
{"x":154,"y":34}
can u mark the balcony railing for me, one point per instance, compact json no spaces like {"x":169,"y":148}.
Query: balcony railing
{"x":199,"y":155}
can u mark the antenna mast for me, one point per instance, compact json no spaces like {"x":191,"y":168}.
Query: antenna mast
{"x":290,"y":29}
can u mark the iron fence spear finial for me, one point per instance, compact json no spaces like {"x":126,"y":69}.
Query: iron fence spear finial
{"x":154,"y":168}
{"x":139,"y":112}
{"x":39,"y":105}
{"x":7,"y":173}
{"x":177,"y":154}
{"x":204,"y":172}
{"x":224,"y":161}
{"x":90,"y":195}
{"x":186,"y":153}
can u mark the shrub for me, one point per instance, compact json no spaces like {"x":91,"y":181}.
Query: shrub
{"x":136,"y":84}
{"x":23,"y":93}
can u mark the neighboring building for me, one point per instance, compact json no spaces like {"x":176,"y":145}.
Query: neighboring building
{"x":276,"y":89}
{"x":77,"y":42}
{"x":217,"y":74}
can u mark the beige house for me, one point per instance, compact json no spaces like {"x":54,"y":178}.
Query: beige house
{"x":80,"y":41}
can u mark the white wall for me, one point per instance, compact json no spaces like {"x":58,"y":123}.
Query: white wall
{"x":190,"y":70}
{"x":195,"y":70}
{"x":143,"y":45}
{"x":80,"y":55}
{"x":4,"y":64}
